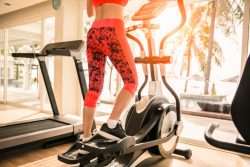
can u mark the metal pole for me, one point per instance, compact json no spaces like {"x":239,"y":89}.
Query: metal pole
{"x":41,"y":90}
{"x":48,"y":85}
{"x":151,"y":52}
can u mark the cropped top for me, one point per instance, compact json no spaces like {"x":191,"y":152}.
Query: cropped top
{"x":119,"y":2}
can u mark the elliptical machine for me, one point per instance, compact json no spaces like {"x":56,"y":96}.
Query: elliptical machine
{"x":153,"y":123}
{"x":240,"y":112}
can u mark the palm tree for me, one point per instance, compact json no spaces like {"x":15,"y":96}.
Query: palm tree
{"x":197,"y":34}
{"x":226,"y":14}
{"x":207,"y":70}
{"x":191,"y":30}
{"x":229,"y":14}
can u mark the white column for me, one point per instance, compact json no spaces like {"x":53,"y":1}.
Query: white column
{"x":245,"y":35}
{"x":68,"y":27}
{"x":6,"y":52}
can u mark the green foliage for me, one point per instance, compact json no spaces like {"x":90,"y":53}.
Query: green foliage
{"x":229,"y":15}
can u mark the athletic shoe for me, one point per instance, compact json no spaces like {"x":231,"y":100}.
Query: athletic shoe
{"x":118,"y":132}
{"x":105,"y":137}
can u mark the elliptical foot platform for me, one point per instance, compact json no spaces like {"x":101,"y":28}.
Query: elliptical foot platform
{"x":99,"y":150}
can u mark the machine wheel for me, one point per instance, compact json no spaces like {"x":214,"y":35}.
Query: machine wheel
{"x":165,"y":126}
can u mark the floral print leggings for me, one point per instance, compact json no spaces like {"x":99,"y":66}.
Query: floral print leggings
{"x":107,"y":39}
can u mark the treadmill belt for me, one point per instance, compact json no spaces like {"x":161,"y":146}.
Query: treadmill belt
{"x":23,"y":128}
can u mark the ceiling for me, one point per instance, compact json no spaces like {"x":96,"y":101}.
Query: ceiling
{"x":7,"y":6}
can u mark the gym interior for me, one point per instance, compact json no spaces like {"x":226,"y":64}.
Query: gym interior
{"x":192,"y":64}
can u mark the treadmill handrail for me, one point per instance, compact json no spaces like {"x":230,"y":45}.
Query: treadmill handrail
{"x":61,"y":48}
{"x":26,"y":55}
{"x":55,"y":49}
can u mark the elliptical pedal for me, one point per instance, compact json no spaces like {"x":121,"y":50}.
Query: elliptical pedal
{"x":119,"y":147}
{"x":104,"y":152}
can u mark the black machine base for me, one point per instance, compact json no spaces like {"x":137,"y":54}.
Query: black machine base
{"x":239,"y":140}
{"x":239,"y":147}
{"x":101,"y":153}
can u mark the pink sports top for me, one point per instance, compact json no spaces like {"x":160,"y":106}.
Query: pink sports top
{"x":119,"y":2}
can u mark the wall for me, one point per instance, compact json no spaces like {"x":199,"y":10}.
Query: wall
{"x":27,"y":15}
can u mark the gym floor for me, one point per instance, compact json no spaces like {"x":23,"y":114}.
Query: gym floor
{"x":203,"y":155}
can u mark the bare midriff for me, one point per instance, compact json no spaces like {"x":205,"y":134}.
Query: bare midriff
{"x":109,"y":11}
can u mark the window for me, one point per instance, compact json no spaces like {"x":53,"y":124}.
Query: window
{"x":23,"y":73}
{"x":205,"y":79}
{"x":22,"y":84}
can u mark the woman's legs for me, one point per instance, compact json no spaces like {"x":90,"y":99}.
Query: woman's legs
{"x":122,"y":59}
{"x":88,"y":119}
{"x":103,"y":42}
{"x":96,"y":67}
{"x":96,"y":77}
{"x":122,"y":100}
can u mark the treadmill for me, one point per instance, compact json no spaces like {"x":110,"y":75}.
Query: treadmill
{"x":46,"y":130}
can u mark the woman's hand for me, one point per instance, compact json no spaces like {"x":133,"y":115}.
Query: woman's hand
{"x":90,"y":8}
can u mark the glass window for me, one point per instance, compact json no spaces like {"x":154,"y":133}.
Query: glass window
{"x":23,"y":73}
{"x":25,"y":85}
{"x":208,"y":80}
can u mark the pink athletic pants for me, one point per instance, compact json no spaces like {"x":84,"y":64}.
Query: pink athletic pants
{"x":107,"y":38}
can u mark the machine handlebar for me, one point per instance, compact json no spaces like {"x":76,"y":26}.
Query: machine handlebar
{"x":153,"y":60}
{"x":26,"y":55}
{"x":55,"y":49}
{"x":183,"y":20}
{"x":150,"y":10}
{"x":62,"y":48}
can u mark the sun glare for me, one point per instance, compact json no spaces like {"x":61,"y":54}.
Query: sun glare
{"x":168,"y":20}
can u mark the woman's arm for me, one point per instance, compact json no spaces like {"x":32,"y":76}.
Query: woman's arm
{"x":90,"y":9}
